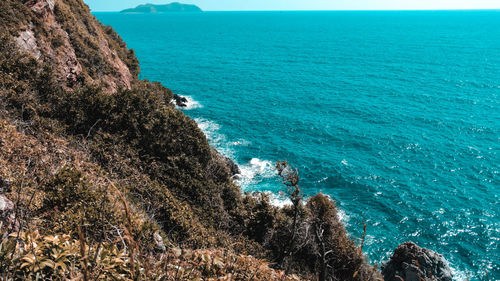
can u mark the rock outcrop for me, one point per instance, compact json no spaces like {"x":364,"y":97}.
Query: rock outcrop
{"x":7,"y":216}
{"x":55,"y":39}
{"x":412,"y":263}
{"x":27,"y":42}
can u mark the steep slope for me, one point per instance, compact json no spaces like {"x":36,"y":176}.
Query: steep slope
{"x":80,"y":49}
{"x":100,"y":167}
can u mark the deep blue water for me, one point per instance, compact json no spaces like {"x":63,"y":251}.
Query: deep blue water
{"x":395,"y":115}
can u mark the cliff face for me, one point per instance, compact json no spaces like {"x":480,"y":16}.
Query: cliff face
{"x":100,"y":166}
{"x":79,"y":48}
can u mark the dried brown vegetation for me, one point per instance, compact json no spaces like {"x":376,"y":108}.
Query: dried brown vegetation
{"x":122,"y":186}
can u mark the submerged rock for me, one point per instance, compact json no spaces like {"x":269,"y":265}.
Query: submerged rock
{"x":412,"y":263}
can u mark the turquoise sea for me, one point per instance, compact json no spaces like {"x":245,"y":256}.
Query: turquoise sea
{"x":395,"y":115}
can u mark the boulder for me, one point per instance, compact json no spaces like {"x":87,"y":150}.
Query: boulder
{"x":412,"y":263}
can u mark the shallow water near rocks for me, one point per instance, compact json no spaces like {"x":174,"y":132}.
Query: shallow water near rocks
{"x":395,"y":115}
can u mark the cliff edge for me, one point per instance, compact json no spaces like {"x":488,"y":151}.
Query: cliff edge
{"x":102,"y":178}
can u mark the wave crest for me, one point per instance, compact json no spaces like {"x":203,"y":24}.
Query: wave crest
{"x":255,"y":172}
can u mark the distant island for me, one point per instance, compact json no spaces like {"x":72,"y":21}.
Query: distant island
{"x":167,"y":8}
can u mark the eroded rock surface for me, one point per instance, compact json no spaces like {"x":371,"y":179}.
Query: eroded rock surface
{"x":412,"y":263}
{"x":50,"y":42}
{"x":27,"y":42}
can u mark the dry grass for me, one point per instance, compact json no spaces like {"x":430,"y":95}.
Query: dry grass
{"x":97,"y":177}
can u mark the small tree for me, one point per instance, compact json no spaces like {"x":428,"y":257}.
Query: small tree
{"x":290,"y":178}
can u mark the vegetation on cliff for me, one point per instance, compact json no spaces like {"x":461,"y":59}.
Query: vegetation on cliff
{"x":108,"y":181}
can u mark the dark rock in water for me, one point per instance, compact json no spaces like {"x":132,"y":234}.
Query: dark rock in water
{"x":180,"y":100}
{"x":7,"y":217}
{"x":412,"y":263}
{"x":235,"y":170}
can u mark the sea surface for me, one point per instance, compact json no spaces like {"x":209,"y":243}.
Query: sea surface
{"x":395,"y":115}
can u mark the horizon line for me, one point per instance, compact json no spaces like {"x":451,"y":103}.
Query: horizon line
{"x":339,"y":10}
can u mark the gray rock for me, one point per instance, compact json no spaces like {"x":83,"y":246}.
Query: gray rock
{"x":412,"y":263}
{"x":160,"y":245}
{"x":27,"y":42}
{"x":7,"y":217}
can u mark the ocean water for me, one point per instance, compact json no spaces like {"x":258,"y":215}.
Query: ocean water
{"x":395,"y":115}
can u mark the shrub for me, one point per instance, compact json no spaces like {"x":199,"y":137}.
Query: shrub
{"x":71,"y":201}
{"x":110,"y":171}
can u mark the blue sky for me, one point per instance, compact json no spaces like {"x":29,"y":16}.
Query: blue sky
{"x":254,"y":5}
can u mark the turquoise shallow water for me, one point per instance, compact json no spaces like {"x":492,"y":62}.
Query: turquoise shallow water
{"x":395,"y":115}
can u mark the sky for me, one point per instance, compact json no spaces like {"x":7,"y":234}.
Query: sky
{"x":272,"y":5}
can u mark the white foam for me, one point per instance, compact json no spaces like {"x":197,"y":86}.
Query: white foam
{"x":208,"y":127}
{"x":214,"y":137}
{"x":459,"y":275}
{"x":251,"y":173}
{"x":278,"y":200}
{"x":240,"y":142}
{"x":255,"y":171}
{"x":190,"y":104}
{"x":342,"y":216}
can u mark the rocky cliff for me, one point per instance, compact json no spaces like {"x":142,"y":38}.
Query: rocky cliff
{"x":100,"y":168}
{"x":79,"y":48}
